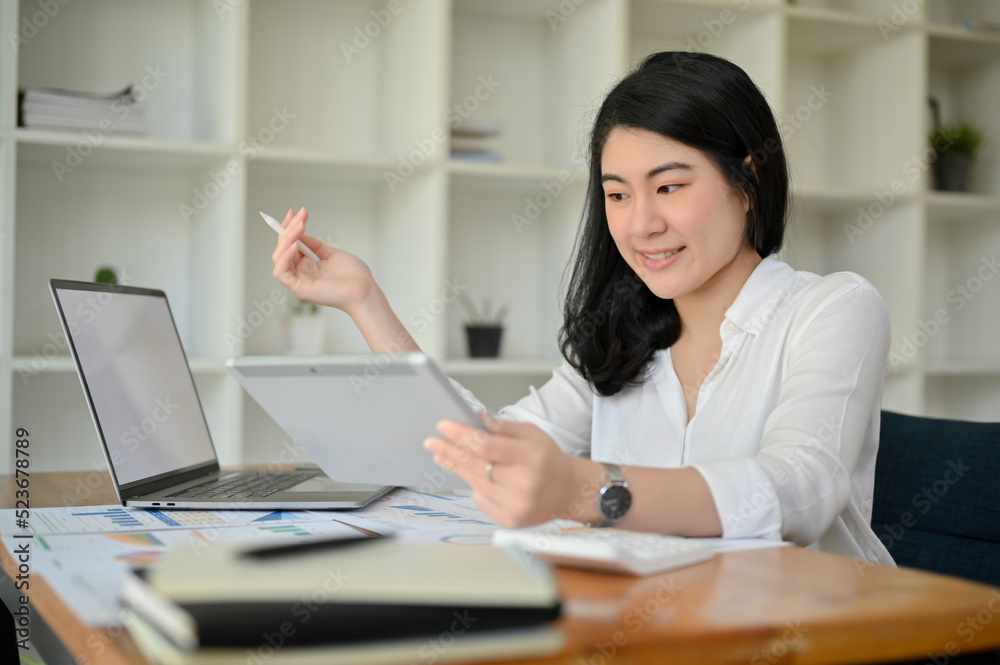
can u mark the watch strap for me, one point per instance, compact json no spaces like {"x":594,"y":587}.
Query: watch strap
{"x":614,"y":476}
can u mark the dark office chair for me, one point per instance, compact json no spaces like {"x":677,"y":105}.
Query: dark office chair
{"x":937,"y":499}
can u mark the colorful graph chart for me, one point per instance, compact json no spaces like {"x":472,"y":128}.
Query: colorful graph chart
{"x":188,"y":518}
{"x":140,"y":539}
{"x":141,"y":558}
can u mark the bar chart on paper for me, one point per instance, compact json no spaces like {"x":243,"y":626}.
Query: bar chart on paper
{"x":116,"y":518}
{"x":411,"y":514}
{"x":113,"y":518}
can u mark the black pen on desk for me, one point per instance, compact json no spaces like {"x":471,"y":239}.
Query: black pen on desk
{"x":307,"y":546}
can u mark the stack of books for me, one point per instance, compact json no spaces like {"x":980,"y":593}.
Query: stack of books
{"x":474,"y":140}
{"x":49,"y":108}
{"x":368,"y":600}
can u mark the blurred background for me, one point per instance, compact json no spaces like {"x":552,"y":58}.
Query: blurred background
{"x":442,"y":141}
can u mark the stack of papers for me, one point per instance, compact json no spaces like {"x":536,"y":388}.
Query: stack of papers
{"x":50,"y":108}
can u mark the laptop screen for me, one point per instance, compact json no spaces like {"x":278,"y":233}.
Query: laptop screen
{"x":137,"y":379}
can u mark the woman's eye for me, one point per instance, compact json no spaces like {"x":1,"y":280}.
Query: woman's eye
{"x":616,"y":196}
{"x":669,"y":189}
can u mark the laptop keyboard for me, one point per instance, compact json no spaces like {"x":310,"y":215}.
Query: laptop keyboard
{"x":245,"y":485}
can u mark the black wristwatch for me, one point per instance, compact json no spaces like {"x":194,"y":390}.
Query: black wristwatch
{"x":615,"y":498}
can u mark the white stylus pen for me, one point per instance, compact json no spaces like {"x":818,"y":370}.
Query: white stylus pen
{"x":276,"y":225}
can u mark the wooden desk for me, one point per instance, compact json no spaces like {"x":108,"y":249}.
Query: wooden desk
{"x":759,"y":607}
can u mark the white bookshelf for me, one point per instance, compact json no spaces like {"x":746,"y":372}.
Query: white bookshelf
{"x":259,"y":105}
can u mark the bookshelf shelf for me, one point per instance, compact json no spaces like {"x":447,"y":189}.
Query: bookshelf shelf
{"x":346,"y":109}
{"x":71,"y":149}
{"x":961,"y":207}
{"x":294,"y":164}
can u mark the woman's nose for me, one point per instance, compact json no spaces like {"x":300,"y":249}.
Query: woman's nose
{"x":647,"y":218}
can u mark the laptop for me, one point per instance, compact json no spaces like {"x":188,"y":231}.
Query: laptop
{"x":149,"y":418}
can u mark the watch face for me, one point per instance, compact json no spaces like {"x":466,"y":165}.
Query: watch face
{"x":615,"y":502}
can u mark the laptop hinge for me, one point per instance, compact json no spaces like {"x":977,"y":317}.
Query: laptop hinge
{"x":171,"y":479}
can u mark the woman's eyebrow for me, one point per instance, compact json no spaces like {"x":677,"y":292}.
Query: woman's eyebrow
{"x":669,"y":166}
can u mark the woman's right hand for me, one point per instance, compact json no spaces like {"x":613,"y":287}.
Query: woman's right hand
{"x":339,"y":279}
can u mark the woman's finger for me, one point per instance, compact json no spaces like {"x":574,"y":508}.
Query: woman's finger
{"x":284,"y":240}
{"x":452,"y":456}
{"x":463,"y":435}
{"x":291,"y":215}
{"x":316,"y":245}
{"x":499,"y":443}
{"x":498,"y":465}
{"x":485,"y":478}
{"x":506,"y":443}
{"x":288,"y":237}
{"x":284,"y":266}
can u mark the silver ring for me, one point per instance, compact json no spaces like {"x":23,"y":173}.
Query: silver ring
{"x":489,"y":472}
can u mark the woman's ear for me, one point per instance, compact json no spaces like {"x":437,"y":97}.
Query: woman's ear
{"x":749,"y":167}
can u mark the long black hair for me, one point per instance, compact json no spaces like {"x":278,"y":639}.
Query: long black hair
{"x":612,"y":323}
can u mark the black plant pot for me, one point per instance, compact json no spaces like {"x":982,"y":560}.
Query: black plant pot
{"x":484,"y":341}
{"x":952,"y":172}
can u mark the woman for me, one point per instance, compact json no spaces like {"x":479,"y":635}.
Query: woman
{"x":708,"y":388}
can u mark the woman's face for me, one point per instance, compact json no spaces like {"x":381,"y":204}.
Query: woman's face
{"x":673,"y":215}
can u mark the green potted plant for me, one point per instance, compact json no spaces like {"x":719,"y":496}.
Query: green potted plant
{"x":484,"y":328}
{"x":106,"y":275}
{"x":305,"y":328}
{"x":955,"y":146}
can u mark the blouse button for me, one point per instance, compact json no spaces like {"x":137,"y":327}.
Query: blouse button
{"x":730,"y":328}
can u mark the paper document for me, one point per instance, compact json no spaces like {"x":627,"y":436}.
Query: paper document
{"x":409,"y":513}
{"x":116,"y":518}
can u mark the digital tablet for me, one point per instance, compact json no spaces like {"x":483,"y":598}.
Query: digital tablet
{"x":362,"y":418}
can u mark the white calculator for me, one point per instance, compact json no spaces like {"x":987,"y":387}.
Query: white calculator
{"x":610,"y":550}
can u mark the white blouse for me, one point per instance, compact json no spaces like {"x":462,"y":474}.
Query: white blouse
{"x":787,"y":423}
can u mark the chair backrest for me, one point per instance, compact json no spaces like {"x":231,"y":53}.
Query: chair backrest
{"x":937,"y":495}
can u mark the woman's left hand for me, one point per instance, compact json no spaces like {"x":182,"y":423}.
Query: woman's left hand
{"x":519,"y":476}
